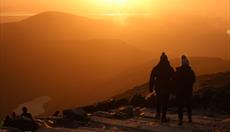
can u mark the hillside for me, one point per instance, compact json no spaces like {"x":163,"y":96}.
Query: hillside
{"x":138,"y":75}
{"x":72,"y":68}
{"x":8,"y":19}
{"x":216,"y":80}
{"x":210,"y":112}
{"x":56,"y":26}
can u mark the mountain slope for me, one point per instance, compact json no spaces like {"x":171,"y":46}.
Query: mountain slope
{"x":216,"y":80}
{"x":138,"y":75}
{"x":61,"y":69}
{"x":56,"y":26}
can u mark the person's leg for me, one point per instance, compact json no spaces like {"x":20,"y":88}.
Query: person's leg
{"x":158,"y":107}
{"x":180,"y":110}
{"x":165,"y":98}
{"x":189,"y":108}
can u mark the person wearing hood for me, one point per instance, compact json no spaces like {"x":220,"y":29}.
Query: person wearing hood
{"x":161,"y":77}
{"x":184,"y":80}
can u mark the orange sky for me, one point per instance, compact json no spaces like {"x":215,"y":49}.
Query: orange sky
{"x":219,"y":8}
{"x":214,"y":12}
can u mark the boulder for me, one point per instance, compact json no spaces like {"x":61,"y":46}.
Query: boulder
{"x":23,"y":124}
{"x":76,"y":114}
{"x":9,"y":129}
{"x":104,"y":114}
{"x":67,"y":123}
{"x":124,"y":112}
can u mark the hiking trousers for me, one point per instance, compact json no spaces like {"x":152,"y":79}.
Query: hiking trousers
{"x":184,"y":101}
{"x":162,"y":104}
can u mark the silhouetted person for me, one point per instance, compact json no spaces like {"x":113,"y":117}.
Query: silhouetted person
{"x":161,"y":78}
{"x":56,"y":114}
{"x":13,"y":115}
{"x":6,"y":120}
{"x":26,"y":114}
{"x":184,"y":80}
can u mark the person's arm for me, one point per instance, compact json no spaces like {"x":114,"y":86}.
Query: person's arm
{"x":172,"y":72}
{"x":152,"y":80}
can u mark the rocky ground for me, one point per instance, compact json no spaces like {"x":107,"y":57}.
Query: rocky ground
{"x":132,"y":111}
{"x":141,"y":120}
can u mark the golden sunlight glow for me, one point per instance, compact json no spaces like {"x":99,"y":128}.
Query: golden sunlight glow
{"x":112,"y":6}
{"x":120,"y":7}
{"x":228,"y":31}
{"x":116,"y":2}
{"x":120,"y":10}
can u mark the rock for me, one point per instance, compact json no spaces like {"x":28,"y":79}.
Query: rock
{"x":138,"y":100}
{"x":13,"y":130}
{"x":72,"y":118}
{"x":124,"y":112}
{"x":126,"y":109}
{"x":223,"y":126}
{"x":226,"y":121}
{"x":76,"y":114}
{"x":67,"y":123}
{"x":23,"y":124}
{"x":45,"y":123}
{"x":89,"y":108}
{"x":104,"y":114}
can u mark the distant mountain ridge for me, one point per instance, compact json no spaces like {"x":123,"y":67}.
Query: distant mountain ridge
{"x":150,"y":34}
{"x":56,"y":26}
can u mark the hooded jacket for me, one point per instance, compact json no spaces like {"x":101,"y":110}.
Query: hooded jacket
{"x":161,"y":77}
{"x":184,"y":79}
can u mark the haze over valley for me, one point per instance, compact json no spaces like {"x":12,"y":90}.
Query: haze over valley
{"x":76,"y":60}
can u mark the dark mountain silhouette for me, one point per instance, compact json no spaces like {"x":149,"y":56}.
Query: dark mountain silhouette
{"x":56,"y":26}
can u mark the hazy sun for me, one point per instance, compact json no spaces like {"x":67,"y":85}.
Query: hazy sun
{"x":116,"y":2}
{"x":122,"y":6}
{"x":120,"y":10}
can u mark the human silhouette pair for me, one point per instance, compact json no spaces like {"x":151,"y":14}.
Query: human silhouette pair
{"x":167,"y":81}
